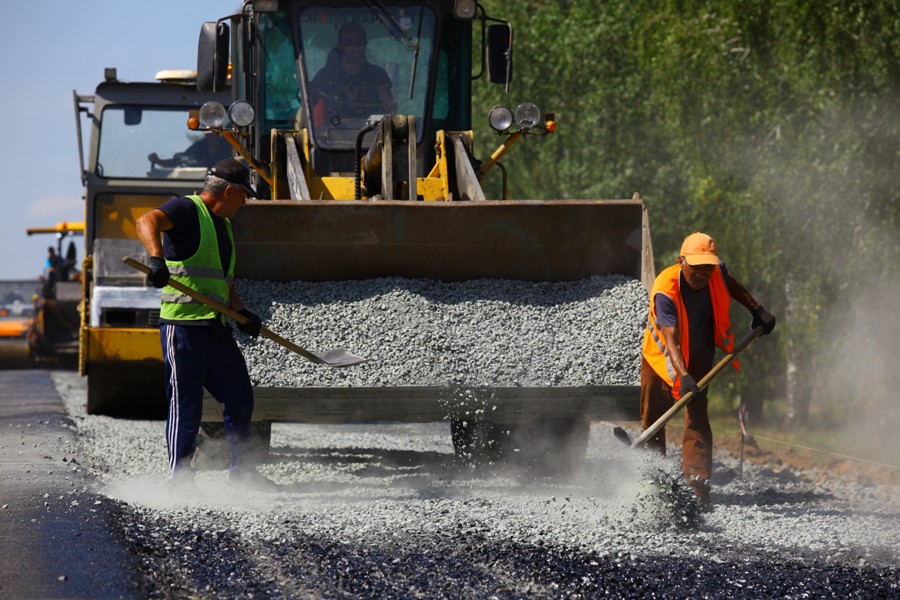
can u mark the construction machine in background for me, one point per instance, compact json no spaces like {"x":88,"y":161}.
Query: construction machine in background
{"x":54,"y":330}
{"x":136,"y":151}
{"x":356,"y":184}
{"x":17,"y":299}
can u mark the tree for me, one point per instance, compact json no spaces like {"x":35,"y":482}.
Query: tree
{"x":772,"y":125}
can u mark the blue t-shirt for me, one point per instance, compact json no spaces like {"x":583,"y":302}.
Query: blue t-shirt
{"x":183,"y":240}
{"x":698,"y":306}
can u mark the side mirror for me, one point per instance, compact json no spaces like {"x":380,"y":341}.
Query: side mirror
{"x":499,"y":40}
{"x":212,"y":56}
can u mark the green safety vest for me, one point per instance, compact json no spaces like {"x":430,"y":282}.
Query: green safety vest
{"x":202,"y":273}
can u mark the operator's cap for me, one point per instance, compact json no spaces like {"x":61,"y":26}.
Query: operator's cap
{"x":700,"y":249}
{"x":233,"y":171}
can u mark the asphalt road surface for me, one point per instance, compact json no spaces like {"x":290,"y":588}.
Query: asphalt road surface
{"x":55,"y":532}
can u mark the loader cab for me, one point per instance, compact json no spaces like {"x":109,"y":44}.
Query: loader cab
{"x":355,"y":66}
{"x":293,"y":66}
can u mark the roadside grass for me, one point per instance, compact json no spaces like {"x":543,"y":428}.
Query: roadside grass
{"x":827,"y":434}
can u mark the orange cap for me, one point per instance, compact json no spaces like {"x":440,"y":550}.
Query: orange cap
{"x":700,"y":249}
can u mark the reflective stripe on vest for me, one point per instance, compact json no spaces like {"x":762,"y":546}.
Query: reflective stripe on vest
{"x":201,"y":272}
{"x":654,"y":349}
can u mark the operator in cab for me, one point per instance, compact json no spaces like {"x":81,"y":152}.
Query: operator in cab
{"x":349,"y":85}
{"x":205,"y":152}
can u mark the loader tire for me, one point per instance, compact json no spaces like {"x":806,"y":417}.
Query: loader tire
{"x":127,"y":390}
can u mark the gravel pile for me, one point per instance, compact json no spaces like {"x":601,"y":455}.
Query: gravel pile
{"x":418,"y":332}
{"x":385,"y":510}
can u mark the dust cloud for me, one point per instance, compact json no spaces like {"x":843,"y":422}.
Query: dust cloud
{"x":839,"y":249}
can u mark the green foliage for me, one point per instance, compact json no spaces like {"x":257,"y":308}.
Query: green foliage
{"x":772,"y":125}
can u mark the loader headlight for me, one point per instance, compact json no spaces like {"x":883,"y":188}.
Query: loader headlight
{"x":500,"y":118}
{"x":241,"y":113}
{"x":527,"y":115}
{"x":212,"y":115}
{"x":464,"y":9}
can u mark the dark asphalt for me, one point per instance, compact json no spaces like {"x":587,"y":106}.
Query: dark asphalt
{"x":56,"y":534}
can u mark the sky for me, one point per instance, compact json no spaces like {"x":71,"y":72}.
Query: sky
{"x":49,"y":49}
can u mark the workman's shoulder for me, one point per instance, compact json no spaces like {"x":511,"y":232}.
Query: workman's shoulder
{"x":178,"y":209}
{"x":179,"y":203}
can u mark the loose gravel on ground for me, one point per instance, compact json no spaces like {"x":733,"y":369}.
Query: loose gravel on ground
{"x":387,"y":511}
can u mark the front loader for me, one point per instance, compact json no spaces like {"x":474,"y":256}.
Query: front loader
{"x":355,"y":187}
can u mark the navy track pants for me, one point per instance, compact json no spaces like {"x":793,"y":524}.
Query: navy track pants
{"x":199,"y":356}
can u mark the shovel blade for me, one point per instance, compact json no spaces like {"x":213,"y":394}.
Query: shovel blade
{"x":338,"y":357}
{"x":622,"y":435}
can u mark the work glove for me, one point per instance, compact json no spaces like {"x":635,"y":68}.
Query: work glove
{"x":762,"y":317}
{"x":159,"y":272}
{"x":253,"y":324}
{"x":687,"y":384}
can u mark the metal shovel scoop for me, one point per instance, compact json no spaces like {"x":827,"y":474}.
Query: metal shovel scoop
{"x":336,"y":357}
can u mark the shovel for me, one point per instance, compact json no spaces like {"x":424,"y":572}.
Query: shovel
{"x":648,"y":433}
{"x":337,"y":357}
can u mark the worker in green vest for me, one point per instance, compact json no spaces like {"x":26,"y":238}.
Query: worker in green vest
{"x":189,"y":240}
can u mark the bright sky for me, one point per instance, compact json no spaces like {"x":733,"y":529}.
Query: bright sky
{"x":50,"y":48}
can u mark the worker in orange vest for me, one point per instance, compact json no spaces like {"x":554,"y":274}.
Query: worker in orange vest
{"x":688,"y":319}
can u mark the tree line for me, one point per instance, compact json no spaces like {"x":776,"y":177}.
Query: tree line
{"x":773,"y":126}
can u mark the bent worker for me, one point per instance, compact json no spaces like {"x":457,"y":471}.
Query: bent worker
{"x":688,"y":318}
{"x":197,"y":249}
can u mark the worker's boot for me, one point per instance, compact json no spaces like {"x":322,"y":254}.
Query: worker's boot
{"x":701,"y":490}
{"x":249,"y":479}
{"x":182,"y":485}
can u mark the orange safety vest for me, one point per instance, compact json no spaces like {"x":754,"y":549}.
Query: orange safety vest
{"x":655,"y":352}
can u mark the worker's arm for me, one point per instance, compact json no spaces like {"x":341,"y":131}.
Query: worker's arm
{"x":254,"y":324}
{"x":674,"y":349}
{"x":684,"y":380}
{"x":234,"y":300}
{"x":737,"y":291}
{"x":150,"y":226}
{"x":761,"y":317}
{"x":386,"y":95}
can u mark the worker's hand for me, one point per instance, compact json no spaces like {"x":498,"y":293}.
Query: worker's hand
{"x":253,"y":324}
{"x":159,"y":272}
{"x":762,"y":317}
{"x":687,"y":384}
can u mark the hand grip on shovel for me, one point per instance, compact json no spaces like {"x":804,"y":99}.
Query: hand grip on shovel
{"x":648,"y":433}
{"x":337,"y":357}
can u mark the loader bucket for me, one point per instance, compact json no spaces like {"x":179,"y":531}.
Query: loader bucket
{"x":525,"y":240}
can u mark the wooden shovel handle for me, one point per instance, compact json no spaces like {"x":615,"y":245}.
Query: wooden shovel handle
{"x":228,"y":312}
{"x":702,"y":384}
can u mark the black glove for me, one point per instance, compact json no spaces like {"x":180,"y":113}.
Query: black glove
{"x":687,"y":384}
{"x":764,"y":318}
{"x":159,"y":272}
{"x":253,"y":324}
